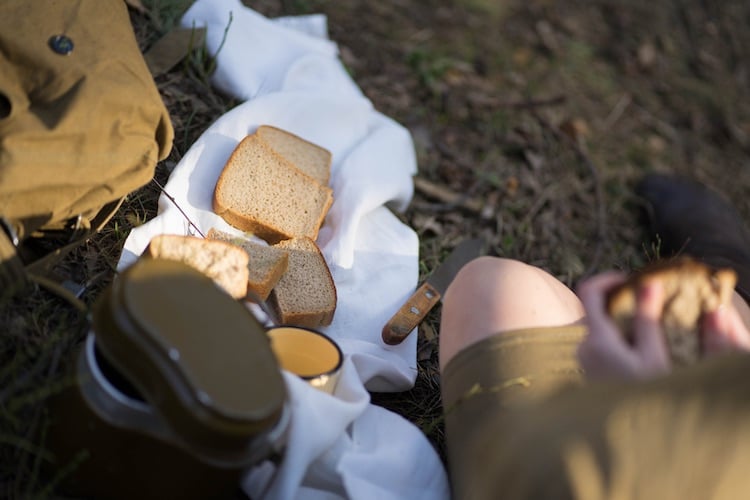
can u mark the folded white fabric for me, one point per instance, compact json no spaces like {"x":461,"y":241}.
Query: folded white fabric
{"x":358,"y":451}
{"x":235,"y":33}
{"x":364,"y":231}
{"x":289,"y":75}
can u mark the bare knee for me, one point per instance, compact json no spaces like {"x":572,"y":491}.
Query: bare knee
{"x":492,"y":295}
{"x":514,"y":293}
{"x":473,"y":303}
{"x":485,"y":275}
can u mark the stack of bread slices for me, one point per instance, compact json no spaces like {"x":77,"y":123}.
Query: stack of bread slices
{"x":274,"y":186}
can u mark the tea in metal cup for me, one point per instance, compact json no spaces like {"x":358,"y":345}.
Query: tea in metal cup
{"x":309,"y":354}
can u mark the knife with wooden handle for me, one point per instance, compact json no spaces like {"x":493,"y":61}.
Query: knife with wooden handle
{"x":429,"y":293}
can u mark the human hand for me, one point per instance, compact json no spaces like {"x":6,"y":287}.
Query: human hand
{"x":605,"y":353}
{"x":724,"y":330}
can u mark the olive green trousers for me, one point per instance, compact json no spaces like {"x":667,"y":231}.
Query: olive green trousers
{"x":522,"y":423}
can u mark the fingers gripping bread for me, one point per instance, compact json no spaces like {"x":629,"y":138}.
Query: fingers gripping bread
{"x":691,"y":289}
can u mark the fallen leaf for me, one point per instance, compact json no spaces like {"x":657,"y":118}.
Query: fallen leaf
{"x":547,"y":36}
{"x":428,"y":332}
{"x":656,"y":143}
{"x":428,"y":338}
{"x":646,"y":55}
{"x":454,"y":77}
{"x":575,"y":128}
{"x":428,"y":224}
{"x":172,"y":48}
{"x":425,"y":352}
{"x":511,"y":186}
{"x":522,"y":56}
{"x":535,"y":160}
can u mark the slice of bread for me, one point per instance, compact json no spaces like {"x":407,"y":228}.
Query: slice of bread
{"x":223,"y":262}
{"x":266,"y":265}
{"x":691,"y":289}
{"x":261,"y":192}
{"x":306,"y":294}
{"x":312,"y":159}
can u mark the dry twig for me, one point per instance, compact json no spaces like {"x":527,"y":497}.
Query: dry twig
{"x":448,"y":197}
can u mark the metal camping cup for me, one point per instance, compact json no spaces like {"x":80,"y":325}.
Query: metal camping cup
{"x":177,"y":391}
{"x":309,"y":354}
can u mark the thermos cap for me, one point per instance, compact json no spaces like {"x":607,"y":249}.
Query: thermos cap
{"x":198,"y":356}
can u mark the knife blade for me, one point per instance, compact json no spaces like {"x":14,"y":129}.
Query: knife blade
{"x":421,"y":302}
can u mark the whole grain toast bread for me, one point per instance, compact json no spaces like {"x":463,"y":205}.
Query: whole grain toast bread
{"x":261,"y":192}
{"x":691,"y":289}
{"x":312,"y":159}
{"x":266,"y":264}
{"x":223,"y":262}
{"x":306,"y":294}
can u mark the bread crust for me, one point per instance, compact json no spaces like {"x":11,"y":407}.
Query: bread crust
{"x":266,"y":264}
{"x":691,"y":289}
{"x":307,"y":269}
{"x":261,"y":191}
{"x":223,"y":262}
{"x":266,"y":176}
{"x":309,"y":157}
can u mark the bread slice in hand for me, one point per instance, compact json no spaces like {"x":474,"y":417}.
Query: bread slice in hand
{"x":260,"y":192}
{"x":691,"y":289}
{"x":312,"y":159}
{"x":306,"y":294}
{"x":223,"y":262}
{"x":266,"y":264}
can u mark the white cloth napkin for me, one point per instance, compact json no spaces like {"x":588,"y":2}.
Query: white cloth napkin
{"x":288,"y":73}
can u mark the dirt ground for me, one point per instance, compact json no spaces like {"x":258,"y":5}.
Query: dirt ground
{"x":531,"y":119}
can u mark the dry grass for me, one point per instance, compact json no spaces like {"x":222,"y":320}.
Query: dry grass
{"x":531,"y":123}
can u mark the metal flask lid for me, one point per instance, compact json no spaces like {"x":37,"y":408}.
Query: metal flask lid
{"x":199,"y":357}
